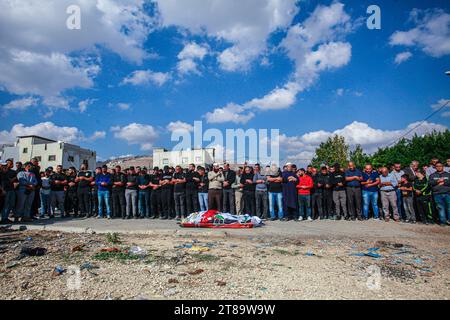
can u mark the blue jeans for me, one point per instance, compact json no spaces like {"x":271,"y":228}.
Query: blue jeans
{"x":103,"y":196}
{"x":10,"y":204}
{"x":443,"y":205}
{"x":304,"y":201}
{"x":144,"y":203}
{"x":370,"y":198}
{"x":278,"y":198}
{"x":45,"y":203}
{"x":203,"y":201}
{"x":401,"y":210}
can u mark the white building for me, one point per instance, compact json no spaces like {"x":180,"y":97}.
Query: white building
{"x":199,"y":157}
{"x":48,"y":152}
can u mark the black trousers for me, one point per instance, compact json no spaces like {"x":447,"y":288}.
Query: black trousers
{"x":192,"y":201}
{"x":180,"y":208}
{"x":215,"y":199}
{"x":317,"y":204}
{"x":424,"y":208}
{"x":94,"y":202}
{"x":327,"y":199}
{"x":229,"y":202}
{"x":84,"y":199}
{"x":155,"y":201}
{"x":36,"y":203}
{"x":118,"y":203}
{"x":166,"y":201}
{"x":71,"y":202}
{"x":249,"y":202}
{"x":354,"y":201}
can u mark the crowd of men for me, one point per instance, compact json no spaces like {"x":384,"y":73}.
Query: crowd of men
{"x":406,"y":194}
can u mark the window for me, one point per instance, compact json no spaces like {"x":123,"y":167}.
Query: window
{"x":25,"y":150}
{"x":39,"y":158}
{"x":85,"y":162}
{"x":165,"y":161}
{"x":52,"y":158}
{"x":198,"y":159}
{"x":184,"y":160}
{"x":70,"y":159}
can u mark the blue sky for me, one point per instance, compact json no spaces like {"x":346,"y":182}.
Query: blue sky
{"x":305,"y":68}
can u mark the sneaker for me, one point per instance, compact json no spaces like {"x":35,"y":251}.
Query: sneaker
{"x":310,"y":219}
{"x":300,"y":219}
{"x":282,"y":219}
{"x":108,"y":217}
{"x":98,"y":217}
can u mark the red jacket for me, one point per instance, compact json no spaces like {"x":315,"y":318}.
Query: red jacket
{"x":305,"y":181}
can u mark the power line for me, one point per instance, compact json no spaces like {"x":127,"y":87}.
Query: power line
{"x":421,"y":123}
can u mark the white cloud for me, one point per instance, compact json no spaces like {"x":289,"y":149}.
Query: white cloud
{"x":354,"y":133}
{"x":84,"y":104}
{"x":143,"y":77}
{"x":246,"y":25}
{"x":21,"y":104}
{"x":315,"y":45}
{"x":41,"y":56}
{"x":279,"y":98}
{"x":123,"y":106}
{"x":193,"y":51}
{"x":56,"y":102}
{"x":446,"y":109}
{"x":440,"y":103}
{"x":179,"y":126}
{"x":136,"y":133}
{"x":189,"y":56}
{"x":402,"y":57}
{"x":431,"y":32}
{"x":229,"y":113}
{"x":96,"y":135}
{"x":45,"y":129}
{"x":26,"y":72}
{"x":340,"y":91}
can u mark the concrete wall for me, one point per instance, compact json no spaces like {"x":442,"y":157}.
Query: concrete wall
{"x":59,"y":152}
{"x":183,"y":158}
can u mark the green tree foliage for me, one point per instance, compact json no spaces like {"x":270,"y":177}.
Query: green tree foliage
{"x":331,"y":151}
{"x":420,"y":148}
{"x":359,"y":157}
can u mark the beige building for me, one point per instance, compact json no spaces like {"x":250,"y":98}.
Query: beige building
{"x":199,"y":157}
{"x":49,"y":152}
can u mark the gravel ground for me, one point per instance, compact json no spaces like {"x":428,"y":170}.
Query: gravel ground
{"x":226,"y":265}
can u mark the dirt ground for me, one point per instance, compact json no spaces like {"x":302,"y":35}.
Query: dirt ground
{"x":165,"y":265}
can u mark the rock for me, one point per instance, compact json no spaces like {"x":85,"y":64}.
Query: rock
{"x":89,"y":231}
{"x":170,"y":292}
{"x":196,"y":272}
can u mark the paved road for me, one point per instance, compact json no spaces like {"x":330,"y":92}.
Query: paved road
{"x":319,"y":229}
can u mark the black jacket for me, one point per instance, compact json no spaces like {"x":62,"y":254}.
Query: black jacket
{"x":230,"y":177}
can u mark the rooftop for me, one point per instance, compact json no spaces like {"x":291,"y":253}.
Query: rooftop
{"x":34,"y":136}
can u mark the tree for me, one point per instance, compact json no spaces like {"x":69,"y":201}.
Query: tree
{"x":359,"y":157}
{"x":331,"y":151}
{"x":420,"y":148}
